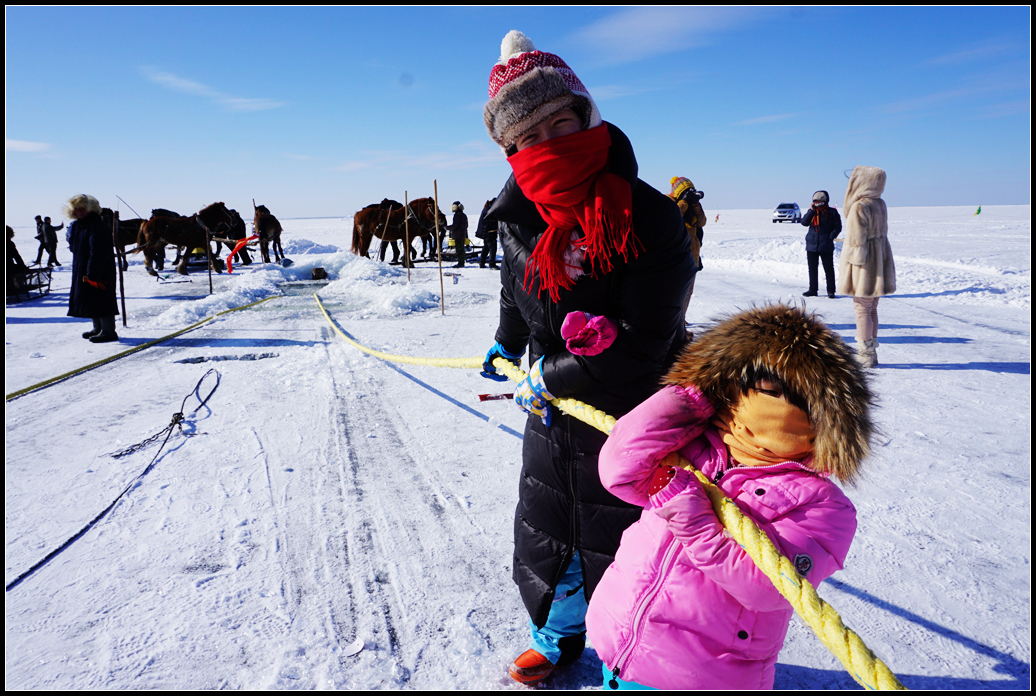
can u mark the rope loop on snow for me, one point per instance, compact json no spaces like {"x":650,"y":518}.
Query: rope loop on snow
{"x":862,"y":664}
{"x":177,"y":422}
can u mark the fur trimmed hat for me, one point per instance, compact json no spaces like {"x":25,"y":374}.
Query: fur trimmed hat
{"x":815,"y":367}
{"x":527,"y":86}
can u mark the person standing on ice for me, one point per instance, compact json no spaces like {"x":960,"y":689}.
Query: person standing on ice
{"x":92,"y":295}
{"x":459,"y":231}
{"x":688,"y":200}
{"x":584,"y":241}
{"x":768,"y":404}
{"x":824,"y":224}
{"x":866,"y":268}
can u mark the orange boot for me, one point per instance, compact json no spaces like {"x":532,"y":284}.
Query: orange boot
{"x":530,"y":667}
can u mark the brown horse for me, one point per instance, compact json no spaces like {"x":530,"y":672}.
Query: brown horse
{"x":390,"y":223}
{"x":182,"y":232}
{"x":269,"y":230}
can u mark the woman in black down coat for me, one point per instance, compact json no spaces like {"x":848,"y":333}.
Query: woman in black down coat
{"x":581,"y":236}
{"x":92,"y":295}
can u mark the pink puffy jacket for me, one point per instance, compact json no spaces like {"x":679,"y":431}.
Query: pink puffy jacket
{"x":683,"y":606}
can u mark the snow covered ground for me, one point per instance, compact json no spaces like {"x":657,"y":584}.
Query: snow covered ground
{"x":331,"y":520}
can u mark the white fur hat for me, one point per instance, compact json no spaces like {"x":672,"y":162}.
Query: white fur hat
{"x":527,"y":86}
{"x":81,"y":200}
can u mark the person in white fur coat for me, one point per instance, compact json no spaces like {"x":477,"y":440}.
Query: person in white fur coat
{"x":867,"y":270}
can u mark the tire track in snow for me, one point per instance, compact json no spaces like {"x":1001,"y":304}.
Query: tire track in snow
{"x":411,"y":539}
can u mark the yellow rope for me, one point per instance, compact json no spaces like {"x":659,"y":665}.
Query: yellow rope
{"x":123,"y":354}
{"x":845,"y":644}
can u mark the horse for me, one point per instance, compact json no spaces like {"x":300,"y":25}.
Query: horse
{"x":125,"y":236}
{"x":390,"y":223}
{"x":237,"y":231}
{"x":425,"y":212}
{"x":182,"y":232}
{"x":269,"y":230}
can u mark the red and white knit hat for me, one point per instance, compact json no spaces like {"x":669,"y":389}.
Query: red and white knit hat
{"x":527,"y":86}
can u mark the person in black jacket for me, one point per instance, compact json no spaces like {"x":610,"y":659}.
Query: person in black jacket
{"x":92,"y":295}
{"x":486,"y":231}
{"x":50,"y":238}
{"x":824,"y":224}
{"x":580,"y":235}
{"x":459,"y":231}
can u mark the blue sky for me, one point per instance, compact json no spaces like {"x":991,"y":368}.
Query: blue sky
{"x":320,"y":111}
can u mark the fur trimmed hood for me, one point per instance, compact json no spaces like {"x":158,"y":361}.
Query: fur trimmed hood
{"x":812,"y":363}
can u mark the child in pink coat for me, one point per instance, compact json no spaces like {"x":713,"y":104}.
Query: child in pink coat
{"x":768,"y":404}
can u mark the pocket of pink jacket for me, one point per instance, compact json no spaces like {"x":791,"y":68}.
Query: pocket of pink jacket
{"x":586,"y":334}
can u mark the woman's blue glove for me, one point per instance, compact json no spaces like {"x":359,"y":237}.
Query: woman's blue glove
{"x":498,"y":351}
{"x":532,"y":396}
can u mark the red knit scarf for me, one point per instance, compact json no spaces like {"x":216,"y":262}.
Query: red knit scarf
{"x":568,"y":180}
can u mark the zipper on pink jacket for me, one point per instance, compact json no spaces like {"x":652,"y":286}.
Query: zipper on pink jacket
{"x":668,"y":560}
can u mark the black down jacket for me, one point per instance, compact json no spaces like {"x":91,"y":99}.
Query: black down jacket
{"x":822,"y":228}
{"x":93,"y":256}
{"x":562,"y":505}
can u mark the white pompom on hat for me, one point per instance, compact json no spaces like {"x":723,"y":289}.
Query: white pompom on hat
{"x":527,"y":86}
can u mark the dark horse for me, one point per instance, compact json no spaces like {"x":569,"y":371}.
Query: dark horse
{"x":125,"y":236}
{"x":389,"y":223}
{"x":182,"y":232}
{"x":269,"y":230}
{"x":236,"y":231}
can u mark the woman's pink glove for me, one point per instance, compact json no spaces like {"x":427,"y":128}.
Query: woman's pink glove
{"x":586,"y":334}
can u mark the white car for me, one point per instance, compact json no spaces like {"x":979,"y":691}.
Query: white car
{"x":787,"y":212}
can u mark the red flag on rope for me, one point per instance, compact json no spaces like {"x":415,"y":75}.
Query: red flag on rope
{"x":237,"y":248}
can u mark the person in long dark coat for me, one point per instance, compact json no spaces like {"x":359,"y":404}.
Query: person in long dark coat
{"x":486,"y":231}
{"x":581,"y":236}
{"x":92,"y":295}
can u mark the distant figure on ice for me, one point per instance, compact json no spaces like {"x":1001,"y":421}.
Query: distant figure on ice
{"x":867,"y":270}
{"x":688,"y":200}
{"x":92,"y":295}
{"x":582,"y":238}
{"x":459,"y":231}
{"x":41,"y":239}
{"x":486,"y":231}
{"x":768,"y":404}
{"x":50,"y":243}
{"x":824,"y":224}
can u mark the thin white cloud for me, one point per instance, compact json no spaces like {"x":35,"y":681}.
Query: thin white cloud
{"x":636,"y":34}
{"x":352,"y":166}
{"x":617,"y":91}
{"x":25,"y":146}
{"x":466,"y":156}
{"x":972,"y":55}
{"x":197,"y":89}
{"x":766,"y":119}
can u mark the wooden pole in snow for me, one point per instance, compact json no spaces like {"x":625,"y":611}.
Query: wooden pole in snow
{"x":438,"y":246}
{"x":119,"y":258}
{"x":406,"y":233}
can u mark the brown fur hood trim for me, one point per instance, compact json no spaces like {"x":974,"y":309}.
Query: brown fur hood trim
{"x":810,"y":360}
